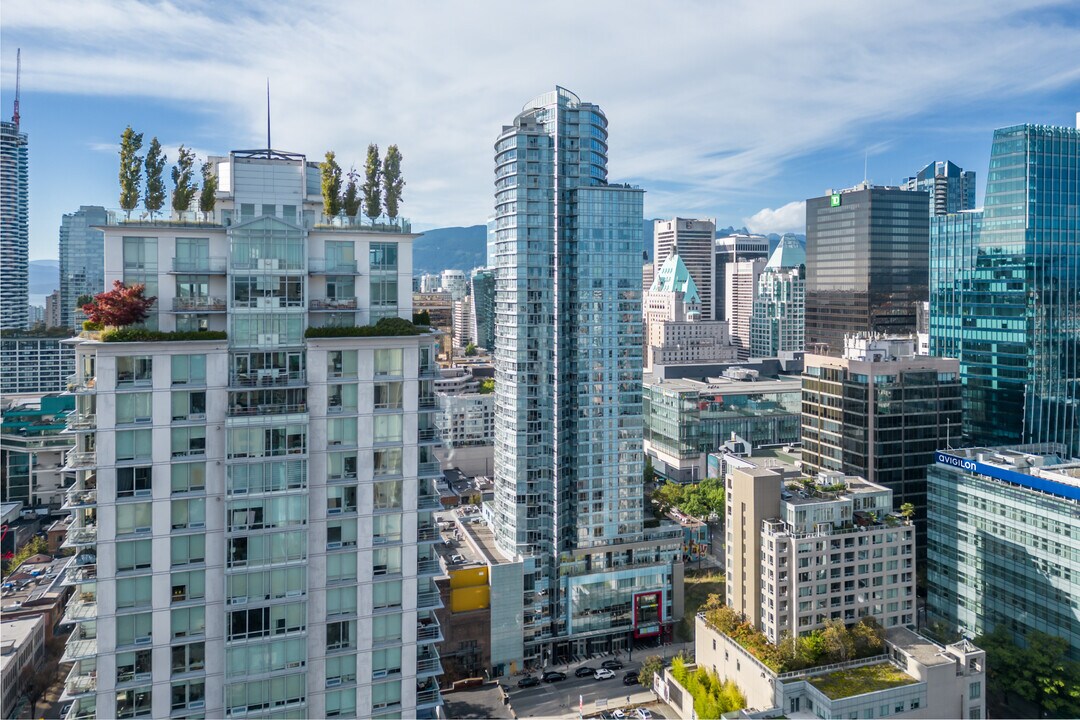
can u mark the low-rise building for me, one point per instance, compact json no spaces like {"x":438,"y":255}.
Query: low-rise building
{"x":32,"y":448}
{"x":35,"y":362}
{"x":912,"y":678}
{"x":39,"y":586}
{"x":22,"y":650}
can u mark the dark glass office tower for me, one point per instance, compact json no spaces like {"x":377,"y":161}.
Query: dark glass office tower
{"x":866,"y":263}
{"x":1005,"y":292}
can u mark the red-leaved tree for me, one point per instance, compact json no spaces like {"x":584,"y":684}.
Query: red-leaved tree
{"x":120,"y":306}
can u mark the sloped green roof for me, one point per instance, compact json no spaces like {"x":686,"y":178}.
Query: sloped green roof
{"x":674,"y":277}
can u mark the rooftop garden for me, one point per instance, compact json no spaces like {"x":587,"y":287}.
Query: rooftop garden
{"x":712,"y":696}
{"x":834,"y":643}
{"x":130,"y":334}
{"x":840,"y":684}
{"x":387,"y":327}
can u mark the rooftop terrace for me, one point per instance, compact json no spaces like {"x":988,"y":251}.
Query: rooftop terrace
{"x":847,"y":682}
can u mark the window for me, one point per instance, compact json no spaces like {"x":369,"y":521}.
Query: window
{"x":383,"y":257}
{"x":340,"y":498}
{"x":133,"y":407}
{"x":340,"y":635}
{"x":135,"y":555}
{"x":188,"y":441}
{"x":188,"y":694}
{"x":188,"y":549}
{"x":386,"y":529}
{"x":975,"y":690}
{"x":133,"y":481}
{"x":388,"y":395}
{"x":135,"y":702}
{"x":188,"y":586}
{"x":341,"y":667}
{"x":387,"y":428}
{"x":340,"y":466}
{"x":340,"y":287}
{"x":341,"y":703}
{"x":257,"y":695}
{"x":915,"y":704}
{"x":340,"y":533}
{"x":188,"y":513}
{"x":341,"y":601}
{"x":387,"y":495}
{"x":188,"y":622}
{"x":387,"y":461}
{"x":134,"y":444}
{"x":342,"y":398}
{"x":188,"y":477}
{"x":137,"y":665}
{"x":192,"y":254}
{"x":383,"y":293}
{"x":133,"y":592}
{"x":341,"y":567}
{"x":132,"y":629}
{"x":386,"y":594}
{"x":266,"y":657}
{"x":266,"y":621}
{"x":132,"y":518}
{"x":267,"y":584}
{"x":385,"y":695}
{"x":134,"y":370}
{"x":341,"y":431}
{"x":386,"y":662}
{"x":188,"y":369}
{"x":341,"y":364}
{"x":189,"y":405}
{"x":389,"y":361}
{"x":386,"y":561}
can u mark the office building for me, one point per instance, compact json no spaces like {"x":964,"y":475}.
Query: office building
{"x":913,"y":677}
{"x":34,"y":363}
{"x":52,"y":310}
{"x":740,"y":294}
{"x":33,"y":450}
{"x":14,"y":226}
{"x":686,"y":419}
{"x":454,"y":282}
{"x":1005,"y":293}
{"x":569,"y":496}
{"x":440,"y":309}
{"x":732,"y":249}
{"x":867,"y":254}
{"x":880,"y":412}
{"x":779,"y":310}
{"x":951,"y":188}
{"x":1004,"y":543}
{"x":648,"y":272}
{"x":252,"y":513}
{"x":675,"y":332}
{"x":463,"y":327}
{"x":693,"y":241}
{"x":82,"y":259}
{"x":466,"y":423}
{"x":22,"y":653}
{"x":483,"y":307}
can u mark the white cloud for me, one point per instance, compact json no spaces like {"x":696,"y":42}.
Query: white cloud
{"x":713,"y":99}
{"x":787,"y":218}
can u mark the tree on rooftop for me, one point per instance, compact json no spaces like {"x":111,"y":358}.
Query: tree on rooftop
{"x":331,"y":186}
{"x":907,"y":510}
{"x":183,"y":188}
{"x":208,"y":195}
{"x":155,"y":184}
{"x":393,"y":183}
{"x":839,"y":645}
{"x":372,"y":184}
{"x":130,"y":169}
{"x":351,"y":199}
{"x":120,"y":306}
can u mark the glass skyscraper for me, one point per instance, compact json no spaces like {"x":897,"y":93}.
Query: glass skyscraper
{"x":568,"y":361}
{"x":951,"y":188}
{"x":14,"y":226}
{"x":1005,"y":292}
{"x":82,"y":260}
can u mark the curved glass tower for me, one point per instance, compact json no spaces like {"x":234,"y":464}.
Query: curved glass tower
{"x":568,"y":345}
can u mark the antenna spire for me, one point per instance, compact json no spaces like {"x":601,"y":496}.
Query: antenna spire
{"x":18,"y":74}
{"x":268,"y":145}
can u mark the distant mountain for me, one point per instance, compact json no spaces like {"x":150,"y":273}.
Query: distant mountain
{"x":461,"y":248}
{"x":44,"y":278}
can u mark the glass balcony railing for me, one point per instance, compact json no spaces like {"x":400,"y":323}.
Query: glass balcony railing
{"x":428,"y":664}
{"x":81,"y":535}
{"x":332,"y":266}
{"x":429,"y":567}
{"x":427,"y":533}
{"x":332,"y":304}
{"x":80,"y":459}
{"x":428,"y":630}
{"x":268,"y":378}
{"x":199,"y":304}
{"x":80,"y":499}
{"x":79,"y":648}
{"x":430,"y":468}
{"x":215,"y":265}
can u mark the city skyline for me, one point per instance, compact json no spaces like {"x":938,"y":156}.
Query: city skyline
{"x":859,"y":105}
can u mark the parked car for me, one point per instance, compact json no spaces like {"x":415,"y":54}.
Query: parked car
{"x":612,"y":665}
{"x":584,"y":671}
{"x":643,"y":714}
{"x":618,"y":715}
{"x":65,"y":710}
{"x":630,"y":678}
{"x":554,"y":676}
{"x":603,"y":674}
{"x":528,"y":681}
{"x":457,"y":559}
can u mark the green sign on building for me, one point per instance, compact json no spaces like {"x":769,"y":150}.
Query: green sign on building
{"x":834,"y":201}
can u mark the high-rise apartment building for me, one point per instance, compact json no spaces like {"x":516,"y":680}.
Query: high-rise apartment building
{"x":880,"y":412}
{"x":82,"y":260}
{"x":14,"y":226}
{"x":569,"y":498}
{"x":464,"y":327}
{"x":802,"y":551}
{"x":52,"y":309}
{"x":951,"y":188}
{"x":867,"y":252}
{"x":693,"y":241}
{"x":1004,"y":541}
{"x":482,"y":298}
{"x":732,"y":249}
{"x":1005,"y":292}
{"x":740,"y":294}
{"x":34,"y":362}
{"x":779,"y":311}
{"x":252,"y":510}
{"x":454,"y":282}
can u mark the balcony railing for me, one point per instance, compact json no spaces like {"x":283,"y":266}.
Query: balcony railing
{"x":428,"y":402}
{"x":429,"y":567}
{"x":199,"y":304}
{"x":428,"y":665}
{"x":81,"y":608}
{"x":426,"y":533}
{"x":429,"y":631}
{"x":268,"y":378}
{"x":426,"y":435}
{"x":428,"y":697}
{"x":430,"y":372}
{"x":427,"y":501}
{"x":79,"y":574}
{"x":428,"y":600}
{"x":333,"y":304}
{"x":80,"y":498}
{"x":266,"y":409}
{"x":431,"y":468}
{"x":80,"y":683}
{"x":214,"y":265}
{"x":325,"y":266}
{"x":81,"y":535}
{"x":80,"y":459}
{"x":78,"y":648}
{"x":82,"y":421}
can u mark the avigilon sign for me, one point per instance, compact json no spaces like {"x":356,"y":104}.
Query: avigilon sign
{"x":1010,"y":476}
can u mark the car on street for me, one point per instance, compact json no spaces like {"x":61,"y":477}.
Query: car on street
{"x":630,"y":678}
{"x":643,"y":714}
{"x":528,"y":681}
{"x":554,"y":676}
{"x":612,"y":665}
{"x":584,"y":671}
{"x":603,"y":674}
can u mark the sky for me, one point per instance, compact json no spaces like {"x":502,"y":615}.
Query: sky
{"x":733,"y":110}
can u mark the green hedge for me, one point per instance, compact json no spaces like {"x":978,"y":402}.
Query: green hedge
{"x":91,"y":326}
{"x":143,"y":335}
{"x":387,"y":327}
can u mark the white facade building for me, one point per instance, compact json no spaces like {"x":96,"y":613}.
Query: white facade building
{"x":253,"y":512}
{"x":693,"y":241}
{"x":740,"y":291}
{"x":455,"y":282}
{"x":675,"y":333}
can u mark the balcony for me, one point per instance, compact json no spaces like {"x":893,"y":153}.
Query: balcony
{"x":329,"y":266}
{"x":79,"y":683}
{"x":79,"y":574}
{"x":428,"y":501}
{"x":78,"y":536}
{"x":430,"y":372}
{"x":427,"y":533}
{"x":332,"y":304}
{"x":81,"y":608}
{"x":268,"y":378}
{"x":427,"y":402}
{"x":430,"y":567}
{"x":79,"y":648}
{"x":428,"y":664}
{"x":428,"y":600}
{"x":429,"y":697}
{"x":428,"y":436}
{"x":429,"y":630}
{"x":429,"y":469}
{"x":214,"y":265}
{"x":266,"y":409}
{"x":80,"y":459}
{"x":78,"y":384}
{"x":82,"y":421}
{"x":198,"y":304}
{"x":80,"y":499}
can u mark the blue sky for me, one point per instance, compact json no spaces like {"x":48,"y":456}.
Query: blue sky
{"x":735,"y":110}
